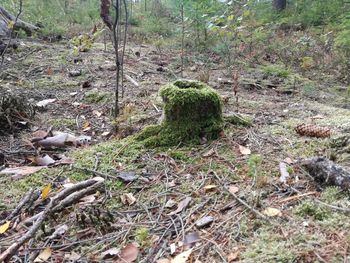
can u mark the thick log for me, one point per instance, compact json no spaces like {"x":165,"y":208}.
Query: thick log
{"x":327,"y":172}
{"x":6,"y":18}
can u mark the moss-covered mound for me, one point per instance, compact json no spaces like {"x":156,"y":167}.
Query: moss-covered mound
{"x":192,"y":110}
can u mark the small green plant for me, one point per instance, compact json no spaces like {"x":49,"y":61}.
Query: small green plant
{"x":254,"y":163}
{"x":277,"y":71}
{"x":309,"y":90}
{"x":348,"y":93}
{"x":309,"y":208}
{"x":142,"y":236}
{"x":331,"y":194}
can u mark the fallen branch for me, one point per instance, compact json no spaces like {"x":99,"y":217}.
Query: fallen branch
{"x":327,"y":172}
{"x":6,"y":18}
{"x":19,"y":207}
{"x":132,"y":81}
{"x":62,"y":199}
{"x":242,"y":202}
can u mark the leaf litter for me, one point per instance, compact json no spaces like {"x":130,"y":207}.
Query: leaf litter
{"x":167,"y":199}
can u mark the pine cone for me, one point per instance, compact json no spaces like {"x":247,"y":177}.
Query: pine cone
{"x":313,"y":131}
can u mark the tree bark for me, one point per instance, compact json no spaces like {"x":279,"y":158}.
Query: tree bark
{"x":280,"y":4}
{"x":6,"y":18}
{"x":327,"y":172}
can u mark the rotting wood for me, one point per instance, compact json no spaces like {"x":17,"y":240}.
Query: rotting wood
{"x":6,"y":18}
{"x":327,"y":172}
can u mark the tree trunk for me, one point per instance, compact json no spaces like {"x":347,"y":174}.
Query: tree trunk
{"x":279,"y":4}
{"x":6,"y":18}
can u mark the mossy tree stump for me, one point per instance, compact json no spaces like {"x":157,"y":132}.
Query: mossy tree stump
{"x":192,"y":110}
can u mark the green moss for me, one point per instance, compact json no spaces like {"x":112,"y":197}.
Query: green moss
{"x":179,"y":155}
{"x":95,"y":96}
{"x":310,"y":209}
{"x":237,"y":119}
{"x":192,"y":110}
{"x":276,"y":70}
{"x":143,"y":237}
{"x":61,"y":122}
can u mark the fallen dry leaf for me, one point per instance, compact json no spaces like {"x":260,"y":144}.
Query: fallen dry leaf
{"x":59,"y":231}
{"x":271,"y":212}
{"x":208,"y":153}
{"x":39,"y":135}
{"x":4,"y":227}
{"x":44,"y":255}
{"x":127,"y":177}
{"x":233,"y":189}
{"x":44,"y":103}
{"x":88,"y":199}
{"x":210,"y":187}
{"x":183,"y":257}
{"x":45,"y":192}
{"x":110,"y":253}
{"x":128,"y":199}
{"x":170,"y":203}
{"x":191,"y":238}
{"x":163,"y":260}
{"x":244,"y":150}
{"x":129,"y":254}
{"x":233,"y":256}
{"x":97,"y":113}
{"x":182,"y":205}
{"x":21,"y":172}
{"x":46,"y":160}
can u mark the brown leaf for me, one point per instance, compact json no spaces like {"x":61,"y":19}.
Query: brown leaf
{"x":209,"y":153}
{"x":182,"y":205}
{"x":44,"y":255}
{"x":272,"y":212}
{"x":129,"y":254}
{"x":183,"y":257}
{"x":233,"y":256}
{"x":39,"y":135}
{"x":128,"y":198}
{"x":49,"y":71}
{"x":97,"y":113}
{"x":233,"y":189}
{"x":23,"y":171}
{"x":210,"y":187}
{"x":244,"y":150}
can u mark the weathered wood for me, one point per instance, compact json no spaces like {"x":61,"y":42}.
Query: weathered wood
{"x":6,"y":18}
{"x":327,"y":172}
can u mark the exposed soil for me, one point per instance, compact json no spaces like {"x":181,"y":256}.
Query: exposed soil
{"x":302,"y":230}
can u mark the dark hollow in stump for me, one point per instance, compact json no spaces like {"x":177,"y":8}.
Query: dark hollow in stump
{"x":192,"y":111}
{"x":327,"y":172}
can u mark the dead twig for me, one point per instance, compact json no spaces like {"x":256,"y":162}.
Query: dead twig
{"x":256,"y":212}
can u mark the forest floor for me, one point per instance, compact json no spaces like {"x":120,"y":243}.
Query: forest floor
{"x":170,"y":189}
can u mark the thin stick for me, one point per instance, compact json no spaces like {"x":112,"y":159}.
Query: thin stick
{"x":239,"y":199}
